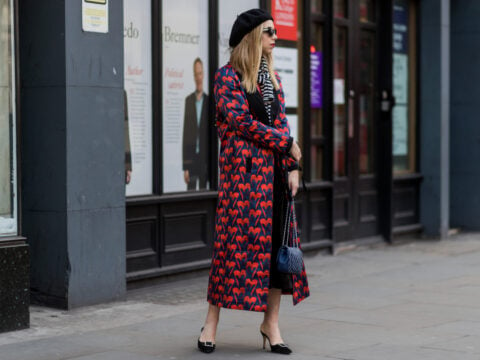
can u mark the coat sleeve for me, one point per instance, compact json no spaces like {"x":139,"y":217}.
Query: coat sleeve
{"x":281,"y":123}
{"x":231,"y":104}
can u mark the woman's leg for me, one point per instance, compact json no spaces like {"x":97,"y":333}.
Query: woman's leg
{"x":270,"y":319}
{"x":210,"y":328}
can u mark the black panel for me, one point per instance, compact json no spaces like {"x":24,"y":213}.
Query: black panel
{"x":320,"y":222}
{"x":406,"y":200}
{"x":142,"y":238}
{"x":187,"y":231}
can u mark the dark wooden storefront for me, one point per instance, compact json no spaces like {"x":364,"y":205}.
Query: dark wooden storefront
{"x":352,"y":193}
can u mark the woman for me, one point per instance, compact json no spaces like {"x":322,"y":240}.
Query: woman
{"x":256,"y":154}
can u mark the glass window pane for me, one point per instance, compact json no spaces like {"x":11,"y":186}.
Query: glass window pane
{"x":185,"y":123}
{"x":316,"y":83}
{"x":317,"y":6}
{"x":138,"y":96}
{"x":316,"y":97}
{"x":403,"y":114}
{"x":367,"y":101}
{"x":367,"y":10}
{"x":339,"y":96}
{"x":317,"y":162}
{"x":340,"y":8}
{"x":8,"y":222}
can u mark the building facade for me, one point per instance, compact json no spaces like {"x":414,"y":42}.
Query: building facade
{"x":109,"y":161}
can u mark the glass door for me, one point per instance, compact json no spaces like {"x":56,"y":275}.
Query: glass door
{"x":355,"y":118}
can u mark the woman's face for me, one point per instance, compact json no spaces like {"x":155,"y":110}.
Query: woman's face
{"x":268,"y":37}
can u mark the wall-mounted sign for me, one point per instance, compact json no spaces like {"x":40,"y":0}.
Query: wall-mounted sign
{"x":316,"y":79}
{"x":284,"y":13}
{"x":95,"y":16}
{"x":286,"y":65}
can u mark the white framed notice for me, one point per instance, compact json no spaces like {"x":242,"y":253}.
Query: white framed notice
{"x":285,"y":61}
{"x":339,"y":91}
{"x":400,"y":78}
{"x":95,"y":16}
{"x":293,"y":122}
{"x":400,"y":130}
{"x":138,"y":88}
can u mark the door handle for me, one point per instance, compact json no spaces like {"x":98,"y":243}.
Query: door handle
{"x":351,"y":103}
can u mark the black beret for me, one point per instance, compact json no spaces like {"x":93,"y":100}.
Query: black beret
{"x":246,"y":22}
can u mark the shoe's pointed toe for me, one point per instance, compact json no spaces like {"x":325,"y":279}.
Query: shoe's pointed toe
{"x":206,"y":347}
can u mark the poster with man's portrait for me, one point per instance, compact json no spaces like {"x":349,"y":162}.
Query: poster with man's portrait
{"x":186,"y":125}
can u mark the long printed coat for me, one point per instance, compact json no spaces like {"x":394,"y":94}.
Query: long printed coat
{"x":239,"y":274}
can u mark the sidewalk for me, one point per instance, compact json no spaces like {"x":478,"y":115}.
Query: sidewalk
{"x":414,"y":301}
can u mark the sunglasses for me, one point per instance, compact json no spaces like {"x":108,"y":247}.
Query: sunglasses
{"x":270,"y":31}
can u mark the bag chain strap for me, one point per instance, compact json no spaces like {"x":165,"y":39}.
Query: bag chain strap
{"x":286,"y":229}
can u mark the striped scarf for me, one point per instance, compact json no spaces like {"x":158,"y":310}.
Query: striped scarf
{"x":266,"y":87}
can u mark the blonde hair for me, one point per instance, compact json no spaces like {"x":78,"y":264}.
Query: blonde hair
{"x":245,"y":59}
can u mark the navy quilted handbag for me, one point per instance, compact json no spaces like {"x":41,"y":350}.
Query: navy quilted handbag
{"x":290,"y":257}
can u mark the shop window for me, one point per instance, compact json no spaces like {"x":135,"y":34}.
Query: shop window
{"x":8,"y":179}
{"x":185,"y":98}
{"x":404,"y":80}
{"x":138,"y":97}
{"x":316,"y":102}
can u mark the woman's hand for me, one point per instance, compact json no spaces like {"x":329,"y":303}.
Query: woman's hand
{"x":295,"y":151}
{"x":293,"y":181}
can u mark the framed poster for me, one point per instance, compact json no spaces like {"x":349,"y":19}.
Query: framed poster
{"x":285,"y":61}
{"x":138,"y":96}
{"x":185,"y":126}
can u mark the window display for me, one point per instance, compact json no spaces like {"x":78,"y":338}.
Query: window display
{"x":138,"y":97}
{"x":185,"y":126}
{"x":8,"y":179}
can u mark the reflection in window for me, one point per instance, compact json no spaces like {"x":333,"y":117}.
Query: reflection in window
{"x":8,"y":223}
{"x":367,"y":101}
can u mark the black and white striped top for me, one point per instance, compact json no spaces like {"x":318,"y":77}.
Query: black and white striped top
{"x":266,"y":87}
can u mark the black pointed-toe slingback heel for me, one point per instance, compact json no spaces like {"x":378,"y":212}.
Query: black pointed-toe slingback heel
{"x":277,"y":348}
{"x":205,"y":346}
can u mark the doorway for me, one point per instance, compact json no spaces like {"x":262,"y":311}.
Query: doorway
{"x":355,"y":118}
